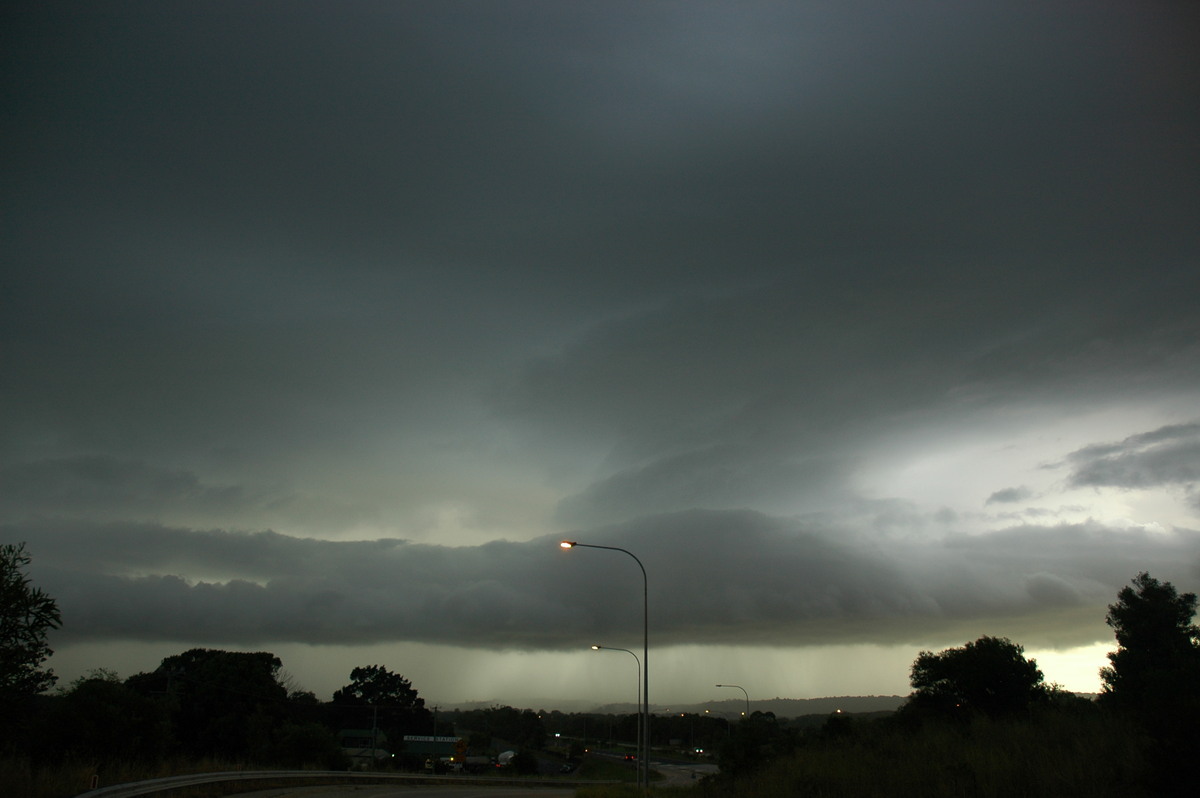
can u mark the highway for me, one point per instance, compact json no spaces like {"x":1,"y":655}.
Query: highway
{"x":359,"y":785}
{"x":363,"y":785}
{"x":675,"y":773}
{"x":415,"y":791}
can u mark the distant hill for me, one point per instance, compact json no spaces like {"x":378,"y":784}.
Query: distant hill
{"x":729,"y":708}
{"x":796,"y":707}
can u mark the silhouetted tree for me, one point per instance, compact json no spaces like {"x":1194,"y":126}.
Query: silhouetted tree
{"x":100,"y":717}
{"x":376,"y":685}
{"x":377,"y":697}
{"x":753,"y":743}
{"x":224,"y":703}
{"x":990,"y":675}
{"x":1158,"y":656}
{"x":504,"y":726}
{"x":26,"y":614}
{"x":838,"y":726}
{"x":303,"y":706}
{"x":1154,"y":676}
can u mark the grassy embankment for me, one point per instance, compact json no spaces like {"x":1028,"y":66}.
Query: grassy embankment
{"x":1052,"y":754}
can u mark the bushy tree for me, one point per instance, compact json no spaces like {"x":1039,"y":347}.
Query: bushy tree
{"x":1154,"y":676}
{"x":990,"y":675}
{"x":520,"y":727}
{"x":377,"y":686}
{"x":100,"y":717}
{"x":26,"y":615}
{"x":1157,"y":661}
{"x":226,"y":703}
{"x":514,"y":728}
{"x":378,"y":696}
{"x":756,"y":741}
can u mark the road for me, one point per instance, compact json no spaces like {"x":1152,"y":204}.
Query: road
{"x":676,"y":773}
{"x":415,"y":791}
{"x":673,"y":773}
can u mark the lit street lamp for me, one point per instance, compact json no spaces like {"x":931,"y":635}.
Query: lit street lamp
{"x":639,"y":690}
{"x":644,"y":769}
{"x":743,"y":689}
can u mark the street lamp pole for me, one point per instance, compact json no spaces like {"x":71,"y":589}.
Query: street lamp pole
{"x":642,"y":755}
{"x":598,"y":647}
{"x":743,"y":689}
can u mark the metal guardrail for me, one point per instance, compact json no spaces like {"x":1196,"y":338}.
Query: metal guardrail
{"x":150,"y":786}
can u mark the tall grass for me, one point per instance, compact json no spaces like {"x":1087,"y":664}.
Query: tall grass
{"x":633,"y":791}
{"x":1057,"y":754}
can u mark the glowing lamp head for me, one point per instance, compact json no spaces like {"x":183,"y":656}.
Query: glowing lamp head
{"x":567,"y":544}
{"x":596,"y":648}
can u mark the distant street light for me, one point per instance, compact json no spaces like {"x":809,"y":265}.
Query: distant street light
{"x":743,"y":689}
{"x":643,"y":755}
{"x":598,"y":647}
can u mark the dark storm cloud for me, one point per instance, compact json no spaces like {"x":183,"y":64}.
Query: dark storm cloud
{"x":240,"y":223}
{"x":100,"y":485}
{"x":674,"y":275}
{"x":774,"y":392}
{"x":641,"y":144}
{"x":717,"y":577}
{"x":1167,"y":456}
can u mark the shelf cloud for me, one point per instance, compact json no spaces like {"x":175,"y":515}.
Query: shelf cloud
{"x":861,"y":324}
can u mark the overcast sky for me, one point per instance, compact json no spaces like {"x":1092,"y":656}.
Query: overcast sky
{"x":869,"y":327}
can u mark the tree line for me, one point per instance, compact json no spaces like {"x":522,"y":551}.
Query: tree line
{"x":211,"y":705}
{"x":205,"y":704}
{"x":981,"y":720}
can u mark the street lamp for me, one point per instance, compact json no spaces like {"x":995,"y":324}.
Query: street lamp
{"x":743,"y":689}
{"x":598,"y":647}
{"x":644,"y":770}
